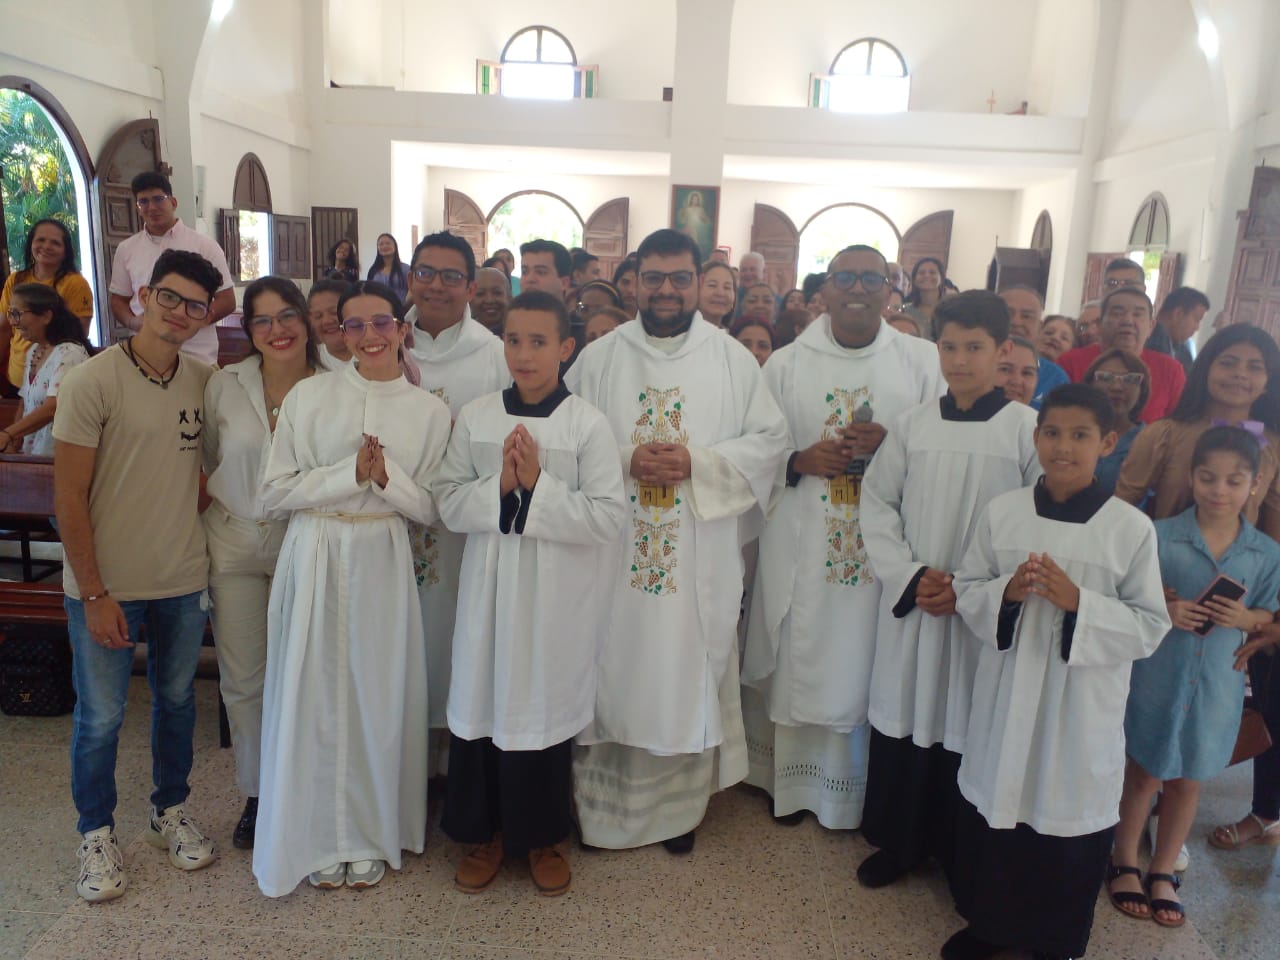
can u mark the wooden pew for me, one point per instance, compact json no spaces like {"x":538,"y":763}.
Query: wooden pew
{"x":233,"y":342}
{"x":26,"y":504}
{"x":10,"y":410}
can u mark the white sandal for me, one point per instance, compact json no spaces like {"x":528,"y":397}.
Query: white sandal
{"x":1268,"y":835}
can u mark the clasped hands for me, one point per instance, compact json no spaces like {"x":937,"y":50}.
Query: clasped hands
{"x":661,"y":464}
{"x":519,"y":461}
{"x":830,"y":458}
{"x":1040,"y":575}
{"x":370,"y":463}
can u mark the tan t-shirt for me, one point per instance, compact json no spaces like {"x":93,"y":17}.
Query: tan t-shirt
{"x":147,"y":534}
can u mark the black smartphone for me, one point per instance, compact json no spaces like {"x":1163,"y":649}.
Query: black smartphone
{"x":1222,"y":586}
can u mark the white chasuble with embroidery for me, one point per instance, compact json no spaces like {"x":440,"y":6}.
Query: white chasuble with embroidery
{"x":811,"y":632}
{"x":678,"y":579}
{"x":464,"y":363}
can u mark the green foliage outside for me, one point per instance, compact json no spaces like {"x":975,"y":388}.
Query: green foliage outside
{"x":531,"y":216}
{"x":35,"y":172}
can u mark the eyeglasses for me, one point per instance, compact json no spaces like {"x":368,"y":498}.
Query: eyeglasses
{"x":654,"y":279}
{"x":1128,"y":379}
{"x":1113,"y":283}
{"x":870,"y":280}
{"x":383,"y":323}
{"x":450,"y":278}
{"x":144,"y":202}
{"x":171,"y":300}
{"x":15,"y":314}
{"x":288,"y":317}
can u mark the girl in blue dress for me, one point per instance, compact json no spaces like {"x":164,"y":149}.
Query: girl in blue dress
{"x":1184,"y":701}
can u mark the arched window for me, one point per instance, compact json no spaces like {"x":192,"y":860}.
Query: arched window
{"x":539,"y":63}
{"x":531,"y":214}
{"x":867,"y":76}
{"x":1042,"y":233}
{"x":1149,"y":239}
{"x":251,"y":197}
{"x":831,"y":230}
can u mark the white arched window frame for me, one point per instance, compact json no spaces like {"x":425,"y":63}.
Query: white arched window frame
{"x":538,"y":63}
{"x":868,"y":75}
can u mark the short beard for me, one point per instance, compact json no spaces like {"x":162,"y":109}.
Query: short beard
{"x":666,"y":328}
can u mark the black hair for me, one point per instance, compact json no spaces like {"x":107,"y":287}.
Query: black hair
{"x":1131,"y":363}
{"x":669,"y":243}
{"x":539,"y":301}
{"x":68,"y":264}
{"x":449,"y":241}
{"x":559,"y":255}
{"x":494,"y":262}
{"x":64,"y":326}
{"x":150,"y":180}
{"x":1227,"y":440}
{"x":716,"y":265}
{"x":604,"y":285}
{"x":856,"y":248}
{"x":746,"y":323}
{"x":1194,"y":402}
{"x":353,"y":261}
{"x":372,"y":288}
{"x":1183,"y":298}
{"x":1080,"y":395}
{"x":189,"y":266}
{"x":812,"y":284}
{"x":629,"y":265}
{"x":913,"y":297}
{"x":376,"y":267}
{"x":974,"y":310}
{"x":328,"y":286}
{"x":1124,"y":263}
{"x":1124,"y":292}
{"x":581,"y":258}
{"x":291,"y":294}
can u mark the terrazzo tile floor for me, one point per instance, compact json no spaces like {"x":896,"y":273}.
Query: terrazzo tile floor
{"x":751,"y":889}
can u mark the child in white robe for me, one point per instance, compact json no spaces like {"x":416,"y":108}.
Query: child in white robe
{"x":1061,"y":584}
{"x":532,"y":477}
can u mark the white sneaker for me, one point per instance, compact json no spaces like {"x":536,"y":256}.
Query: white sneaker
{"x":1184,"y":856}
{"x":189,"y":849}
{"x":330,"y":878}
{"x":365,"y":873}
{"x":101,"y":867}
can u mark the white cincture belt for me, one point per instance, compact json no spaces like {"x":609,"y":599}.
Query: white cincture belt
{"x":351,"y":517}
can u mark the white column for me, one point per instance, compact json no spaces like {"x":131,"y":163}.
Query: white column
{"x":701,"y":89}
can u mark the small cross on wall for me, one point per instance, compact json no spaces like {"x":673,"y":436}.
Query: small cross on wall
{"x":991,"y":102}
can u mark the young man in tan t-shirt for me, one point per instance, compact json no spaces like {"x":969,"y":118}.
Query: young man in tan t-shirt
{"x":126,"y":475}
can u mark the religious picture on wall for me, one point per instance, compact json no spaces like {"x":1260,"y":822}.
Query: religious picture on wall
{"x":695,"y":212}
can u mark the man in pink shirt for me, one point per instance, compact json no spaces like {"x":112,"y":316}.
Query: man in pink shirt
{"x":1126,"y":324}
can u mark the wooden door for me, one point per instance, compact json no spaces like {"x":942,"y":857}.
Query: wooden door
{"x":290,"y":252}
{"x":463,"y":217}
{"x":328,"y":226}
{"x":133,"y":149}
{"x":776,"y":238}
{"x":928,"y":237}
{"x":1095,"y":266}
{"x":1170,"y":276}
{"x":605,"y":234}
{"x":1253,"y":295}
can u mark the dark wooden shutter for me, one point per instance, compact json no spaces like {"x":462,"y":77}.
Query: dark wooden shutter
{"x":1254,"y":292}
{"x":291,"y":250}
{"x":463,"y":217}
{"x":1015,"y":266}
{"x":1095,"y":266}
{"x":251,"y":190}
{"x":1170,"y":276}
{"x":328,"y":226}
{"x":605,"y":234}
{"x":928,"y":237}
{"x":229,"y":236}
{"x":776,"y":238}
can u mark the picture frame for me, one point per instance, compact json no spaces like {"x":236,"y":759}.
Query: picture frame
{"x":695,"y":212}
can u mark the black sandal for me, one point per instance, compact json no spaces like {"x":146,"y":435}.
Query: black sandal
{"x":1122,"y":898}
{"x":1170,"y":906}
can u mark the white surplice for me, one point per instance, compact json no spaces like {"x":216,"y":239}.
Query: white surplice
{"x":464,"y":363}
{"x":344,"y":739}
{"x":662,"y":708}
{"x":1045,"y":743}
{"x":811,"y":626}
{"x":532,"y":601}
{"x":920,"y":503}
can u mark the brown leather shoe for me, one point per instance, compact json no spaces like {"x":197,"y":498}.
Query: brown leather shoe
{"x":550,"y":871}
{"x":480,"y":867}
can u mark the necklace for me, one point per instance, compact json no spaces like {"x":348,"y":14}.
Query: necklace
{"x":164,"y":381}
{"x":37,"y":358}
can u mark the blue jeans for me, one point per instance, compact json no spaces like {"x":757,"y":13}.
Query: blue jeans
{"x":175,"y":628}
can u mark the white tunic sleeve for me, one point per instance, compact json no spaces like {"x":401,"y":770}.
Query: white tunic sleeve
{"x":408,"y":485}
{"x":209,"y":436}
{"x":468,"y":502}
{"x":286,"y":485}
{"x":881,"y":513}
{"x":595,"y":512}
{"x":979,"y":584}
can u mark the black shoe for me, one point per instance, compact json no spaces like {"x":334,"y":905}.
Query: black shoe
{"x":680,"y":844}
{"x":788,"y":819}
{"x":242,"y":839}
{"x":880,"y":869}
{"x":965,"y":946}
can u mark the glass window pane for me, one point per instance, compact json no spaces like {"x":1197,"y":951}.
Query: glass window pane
{"x":884,"y":62}
{"x":853,"y":94}
{"x":852,"y":60}
{"x":1141,"y":227}
{"x":255,"y":245}
{"x":523,"y":46}
{"x":554,"y":49}
{"x":1160,"y":224}
{"x":539,"y":81}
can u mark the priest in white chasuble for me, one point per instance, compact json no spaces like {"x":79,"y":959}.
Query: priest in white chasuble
{"x":458,"y":361}
{"x":701,"y":440}
{"x":812,"y":624}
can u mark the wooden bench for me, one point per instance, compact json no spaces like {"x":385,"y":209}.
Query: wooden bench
{"x":233,"y":342}
{"x":10,"y":410}
{"x":26,"y":506}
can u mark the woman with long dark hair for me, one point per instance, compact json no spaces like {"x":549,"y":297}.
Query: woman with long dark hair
{"x":344,"y":263}
{"x":388,"y":269}
{"x":49,"y":257}
{"x":57,"y":343}
{"x":928,"y":286}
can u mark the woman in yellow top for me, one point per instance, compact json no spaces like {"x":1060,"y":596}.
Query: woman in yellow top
{"x":50,"y":258}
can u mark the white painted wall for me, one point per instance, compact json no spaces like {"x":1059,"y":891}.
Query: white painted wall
{"x":1054,"y":197}
{"x":257,"y":57}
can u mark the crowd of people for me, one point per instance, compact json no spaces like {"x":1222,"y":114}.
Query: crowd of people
{"x":584,"y":551}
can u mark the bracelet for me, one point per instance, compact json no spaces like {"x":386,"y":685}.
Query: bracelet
{"x":99,"y":596}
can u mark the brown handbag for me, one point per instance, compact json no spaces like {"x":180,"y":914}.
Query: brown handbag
{"x":1253,"y":738}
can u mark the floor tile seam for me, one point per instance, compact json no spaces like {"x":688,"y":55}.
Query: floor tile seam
{"x":263,"y":929}
{"x":826,"y":896}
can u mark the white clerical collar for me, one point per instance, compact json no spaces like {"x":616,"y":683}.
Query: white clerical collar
{"x":167,"y":235}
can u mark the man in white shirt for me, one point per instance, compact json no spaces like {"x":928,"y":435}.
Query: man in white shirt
{"x":135,"y":257}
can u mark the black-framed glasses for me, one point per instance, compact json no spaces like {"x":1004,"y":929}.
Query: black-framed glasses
{"x":449,"y":277}
{"x":288,"y":317}
{"x":15,"y":314}
{"x":382,"y":323}
{"x":1114,"y":283}
{"x":654,"y":279}
{"x":144,"y":202}
{"x":171,"y":300}
{"x":1128,"y":379}
{"x":870,"y":280}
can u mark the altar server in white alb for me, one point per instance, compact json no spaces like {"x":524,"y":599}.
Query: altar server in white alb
{"x":701,"y":440}
{"x":458,"y":361}
{"x":811,"y":627}
{"x":532,"y":478}
{"x":344,"y":733}
{"x":940,"y":465}
{"x":1061,"y":583}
